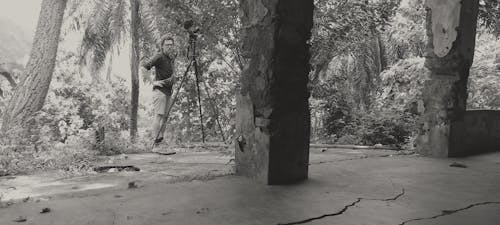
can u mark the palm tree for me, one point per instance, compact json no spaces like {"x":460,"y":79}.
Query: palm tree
{"x":134,"y":66}
{"x":106,"y":28}
{"x":30,"y":95}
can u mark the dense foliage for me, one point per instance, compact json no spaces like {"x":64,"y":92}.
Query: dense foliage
{"x":369,"y":91}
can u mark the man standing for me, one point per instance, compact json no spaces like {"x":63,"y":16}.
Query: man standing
{"x":162,"y":86}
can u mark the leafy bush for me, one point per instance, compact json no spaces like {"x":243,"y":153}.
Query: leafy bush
{"x":26,"y":154}
{"x":484,"y":78}
{"x":387,"y":128}
{"x":63,"y":134}
{"x":352,"y":126}
{"x":339,"y":114}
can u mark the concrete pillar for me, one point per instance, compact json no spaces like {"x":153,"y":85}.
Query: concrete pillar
{"x":451,"y":31}
{"x":273,"y":120}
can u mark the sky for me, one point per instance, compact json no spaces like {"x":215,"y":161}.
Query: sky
{"x":22,"y":12}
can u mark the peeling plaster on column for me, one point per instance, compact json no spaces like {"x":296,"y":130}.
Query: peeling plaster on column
{"x":445,"y":20}
{"x":257,"y":13}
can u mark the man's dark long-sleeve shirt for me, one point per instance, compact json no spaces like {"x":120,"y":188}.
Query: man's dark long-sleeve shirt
{"x":164,"y":66}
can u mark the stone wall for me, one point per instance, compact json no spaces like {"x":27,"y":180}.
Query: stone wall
{"x":479,"y":132}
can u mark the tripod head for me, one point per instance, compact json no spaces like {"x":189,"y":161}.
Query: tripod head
{"x":193,"y":32}
{"x":191,"y":29}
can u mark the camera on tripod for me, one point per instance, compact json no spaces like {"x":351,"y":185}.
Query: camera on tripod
{"x":191,"y":29}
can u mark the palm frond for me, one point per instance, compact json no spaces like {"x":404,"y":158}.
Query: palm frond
{"x":106,"y":27}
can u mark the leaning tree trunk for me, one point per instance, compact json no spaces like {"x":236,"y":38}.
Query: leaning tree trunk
{"x":273,"y":118}
{"x":134,"y":66}
{"x":30,"y":95}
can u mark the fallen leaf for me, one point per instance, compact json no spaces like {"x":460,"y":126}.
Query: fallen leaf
{"x":459,"y":165}
{"x":20,"y":219}
{"x":45,"y":210}
{"x":132,"y":185}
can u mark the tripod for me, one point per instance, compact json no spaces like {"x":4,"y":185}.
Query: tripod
{"x":193,"y":62}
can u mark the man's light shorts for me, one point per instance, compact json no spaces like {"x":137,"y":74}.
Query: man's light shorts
{"x":160,"y":102}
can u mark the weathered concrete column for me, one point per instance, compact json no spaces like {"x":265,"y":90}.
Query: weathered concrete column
{"x":451,"y":31}
{"x":273,"y":121}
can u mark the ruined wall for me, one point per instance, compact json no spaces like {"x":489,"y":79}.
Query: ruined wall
{"x":451,"y":31}
{"x":481,"y":133}
{"x":273,"y":120}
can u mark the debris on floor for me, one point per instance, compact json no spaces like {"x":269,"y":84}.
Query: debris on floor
{"x":20,"y":219}
{"x":110,"y":169}
{"x":45,"y":210}
{"x":132,"y":185}
{"x":459,"y":165}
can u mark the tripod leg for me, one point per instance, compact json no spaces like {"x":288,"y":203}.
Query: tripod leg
{"x":199,"y":98}
{"x":215,"y":110}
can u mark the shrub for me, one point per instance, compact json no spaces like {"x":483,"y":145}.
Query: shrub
{"x":387,"y":128}
{"x":26,"y":154}
{"x":62,"y":135}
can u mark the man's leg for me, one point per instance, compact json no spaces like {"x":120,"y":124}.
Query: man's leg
{"x":165,"y":115}
{"x":157,"y":127}
{"x":159,"y":110}
{"x":160,"y":123}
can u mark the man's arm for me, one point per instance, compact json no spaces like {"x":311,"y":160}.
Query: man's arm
{"x":148,"y":64}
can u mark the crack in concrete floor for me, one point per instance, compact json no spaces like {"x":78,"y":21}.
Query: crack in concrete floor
{"x":349,"y":159}
{"x":401,"y":153}
{"x":449,"y":212}
{"x":343,"y":210}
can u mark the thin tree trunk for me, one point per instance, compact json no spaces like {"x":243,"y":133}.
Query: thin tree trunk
{"x":30,"y":95}
{"x":110,"y":67}
{"x":134,"y":66}
{"x":497,"y":61}
{"x":380,"y":54}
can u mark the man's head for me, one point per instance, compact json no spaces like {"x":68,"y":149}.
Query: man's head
{"x":167,"y":45}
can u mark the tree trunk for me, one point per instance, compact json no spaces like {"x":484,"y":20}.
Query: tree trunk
{"x":381,"y":57}
{"x":273,"y":117}
{"x":451,"y":28}
{"x":497,"y":61}
{"x":30,"y":95}
{"x":134,"y":66}
{"x":110,"y":67}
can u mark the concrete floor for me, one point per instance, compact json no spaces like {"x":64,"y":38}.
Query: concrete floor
{"x":345,"y":187}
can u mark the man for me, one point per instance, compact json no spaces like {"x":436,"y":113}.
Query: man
{"x":162,"y":86}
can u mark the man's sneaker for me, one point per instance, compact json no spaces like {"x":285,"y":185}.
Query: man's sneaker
{"x":159,"y":140}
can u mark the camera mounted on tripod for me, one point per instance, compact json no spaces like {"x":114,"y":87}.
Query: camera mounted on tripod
{"x":191,"y":29}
